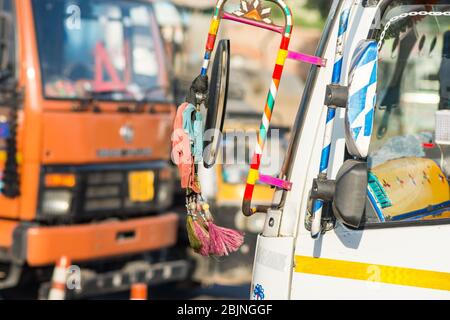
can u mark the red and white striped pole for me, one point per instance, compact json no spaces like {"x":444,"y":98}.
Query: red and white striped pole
{"x":59,"y":279}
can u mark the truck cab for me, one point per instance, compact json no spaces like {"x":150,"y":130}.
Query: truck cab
{"x":398,"y":248}
{"x":86,"y":115}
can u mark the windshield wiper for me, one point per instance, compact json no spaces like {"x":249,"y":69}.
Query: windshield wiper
{"x":92,"y":98}
{"x":391,"y":99}
{"x":149,"y":91}
{"x":147,"y":96}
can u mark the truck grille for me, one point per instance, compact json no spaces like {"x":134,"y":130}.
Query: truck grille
{"x":104,"y":192}
{"x":109,"y":191}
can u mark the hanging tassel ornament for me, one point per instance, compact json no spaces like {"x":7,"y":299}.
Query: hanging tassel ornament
{"x":198,"y":234}
{"x":223,"y":241}
{"x":194,"y":240}
{"x":205,"y":237}
{"x":200,"y":230}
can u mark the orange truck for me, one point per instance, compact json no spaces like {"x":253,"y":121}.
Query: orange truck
{"x":85,"y":120}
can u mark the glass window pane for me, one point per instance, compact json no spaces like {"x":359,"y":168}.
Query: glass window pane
{"x":104,"y":48}
{"x":409,"y":170}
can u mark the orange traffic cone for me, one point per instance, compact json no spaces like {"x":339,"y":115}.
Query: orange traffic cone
{"x":138,"y":291}
{"x":59,"y":279}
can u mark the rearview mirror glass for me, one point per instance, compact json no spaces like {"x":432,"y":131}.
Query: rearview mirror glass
{"x":217,"y":102}
{"x":362,"y":99}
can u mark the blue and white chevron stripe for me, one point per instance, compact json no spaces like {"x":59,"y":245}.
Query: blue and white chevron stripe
{"x":316,"y":227}
{"x":362,"y":99}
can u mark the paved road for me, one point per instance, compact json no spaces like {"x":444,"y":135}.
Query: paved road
{"x":173,"y":292}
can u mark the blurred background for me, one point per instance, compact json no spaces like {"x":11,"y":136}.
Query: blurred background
{"x":85,"y":171}
{"x":253,"y":51}
{"x":253,"y":54}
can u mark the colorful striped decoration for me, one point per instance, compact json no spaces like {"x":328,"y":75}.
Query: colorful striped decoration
{"x":283,"y":54}
{"x":212,"y":35}
{"x":316,"y":226}
{"x":253,"y":176}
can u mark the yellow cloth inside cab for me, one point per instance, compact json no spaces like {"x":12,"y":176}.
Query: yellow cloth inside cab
{"x":413,"y":184}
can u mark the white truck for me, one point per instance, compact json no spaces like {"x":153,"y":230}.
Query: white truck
{"x":395,"y":247}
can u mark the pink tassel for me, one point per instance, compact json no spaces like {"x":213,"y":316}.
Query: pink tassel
{"x":204,"y":238}
{"x":217,"y":244}
{"x":224,"y":241}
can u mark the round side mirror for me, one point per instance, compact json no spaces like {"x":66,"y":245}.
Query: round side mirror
{"x":362,"y":99}
{"x":217,"y":103}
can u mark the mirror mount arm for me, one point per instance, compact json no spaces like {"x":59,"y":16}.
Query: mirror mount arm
{"x":336,"y":96}
{"x":347,"y":193}
{"x":323,"y":189}
{"x":248,"y":210}
{"x":198,"y":91}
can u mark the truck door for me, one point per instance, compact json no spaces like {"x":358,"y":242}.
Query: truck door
{"x":401,"y":251}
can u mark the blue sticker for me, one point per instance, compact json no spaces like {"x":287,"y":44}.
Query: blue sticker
{"x":258,"y":292}
{"x":4,"y":130}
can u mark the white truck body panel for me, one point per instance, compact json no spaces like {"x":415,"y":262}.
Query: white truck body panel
{"x":401,"y":263}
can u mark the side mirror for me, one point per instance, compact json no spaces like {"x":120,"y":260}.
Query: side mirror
{"x":348,"y":192}
{"x":6,"y":29}
{"x":217,"y":103}
{"x":351,"y":193}
{"x":361,"y":99}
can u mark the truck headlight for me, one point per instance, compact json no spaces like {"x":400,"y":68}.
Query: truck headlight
{"x":56,"y":202}
{"x":165,"y":194}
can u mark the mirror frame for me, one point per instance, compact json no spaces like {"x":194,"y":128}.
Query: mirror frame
{"x":217,"y":102}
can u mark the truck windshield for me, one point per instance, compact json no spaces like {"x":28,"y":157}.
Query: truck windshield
{"x":110,"y":49}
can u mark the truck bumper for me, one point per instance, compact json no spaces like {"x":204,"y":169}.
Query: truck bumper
{"x":42,"y":246}
{"x":98,"y":284}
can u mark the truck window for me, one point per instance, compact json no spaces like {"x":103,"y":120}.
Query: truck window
{"x":108,"y":48}
{"x":409,"y":168}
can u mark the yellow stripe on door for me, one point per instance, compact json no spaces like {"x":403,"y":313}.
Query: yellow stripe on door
{"x":373,"y":272}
